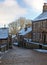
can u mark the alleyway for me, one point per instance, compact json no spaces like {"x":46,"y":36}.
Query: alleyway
{"x":20,"y":56}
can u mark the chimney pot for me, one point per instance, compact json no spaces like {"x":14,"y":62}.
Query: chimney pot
{"x":45,"y":7}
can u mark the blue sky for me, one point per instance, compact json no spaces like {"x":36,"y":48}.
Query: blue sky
{"x":10,"y":10}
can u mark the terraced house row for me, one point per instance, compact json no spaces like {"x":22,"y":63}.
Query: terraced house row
{"x":38,"y":34}
{"x":29,"y":36}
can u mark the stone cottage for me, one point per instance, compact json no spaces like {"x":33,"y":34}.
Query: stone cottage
{"x":5,"y":39}
{"x":24,"y":34}
{"x":39,"y":27}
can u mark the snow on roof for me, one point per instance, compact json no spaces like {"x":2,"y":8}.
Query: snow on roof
{"x":3,"y":33}
{"x":45,"y":45}
{"x":42,"y":16}
{"x":23,"y":32}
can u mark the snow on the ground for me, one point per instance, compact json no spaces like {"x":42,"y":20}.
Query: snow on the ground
{"x":1,"y":53}
{"x":41,"y":50}
{"x":16,"y":43}
{"x":45,"y":45}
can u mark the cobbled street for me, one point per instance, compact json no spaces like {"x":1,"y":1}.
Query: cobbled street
{"x":21,"y":56}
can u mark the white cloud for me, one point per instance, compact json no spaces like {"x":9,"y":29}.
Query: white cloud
{"x":10,"y":2}
{"x":9,"y":10}
{"x":36,"y":4}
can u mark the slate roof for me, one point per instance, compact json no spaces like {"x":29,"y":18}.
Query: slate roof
{"x":42,"y":16}
{"x":3,"y":33}
{"x":23,"y":32}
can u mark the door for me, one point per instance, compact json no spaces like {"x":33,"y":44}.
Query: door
{"x":44,"y":37}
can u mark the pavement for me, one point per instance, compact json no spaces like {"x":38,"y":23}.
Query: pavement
{"x":1,"y":55}
{"x":22,"y":56}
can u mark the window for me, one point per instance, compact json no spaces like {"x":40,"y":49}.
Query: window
{"x":33,"y":35}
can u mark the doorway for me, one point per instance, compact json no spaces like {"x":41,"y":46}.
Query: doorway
{"x":44,"y":37}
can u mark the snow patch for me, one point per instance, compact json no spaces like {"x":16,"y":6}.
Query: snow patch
{"x":16,"y":43}
{"x":41,"y":50}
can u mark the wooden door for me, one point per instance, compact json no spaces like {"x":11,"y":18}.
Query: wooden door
{"x":44,"y":37}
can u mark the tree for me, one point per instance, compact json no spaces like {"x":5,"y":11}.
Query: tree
{"x":20,"y":23}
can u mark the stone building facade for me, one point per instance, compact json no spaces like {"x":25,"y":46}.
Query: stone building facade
{"x":5,"y":39}
{"x":39,"y":27}
{"x":24,"y":34}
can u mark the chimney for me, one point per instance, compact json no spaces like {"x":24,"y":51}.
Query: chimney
{"x":26,"y":28}
{"x":45,"y":7}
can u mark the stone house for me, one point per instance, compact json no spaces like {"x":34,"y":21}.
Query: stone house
{"x":39,"y":27}
{"x":5,"y":39}
{"x":24,"y":34}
